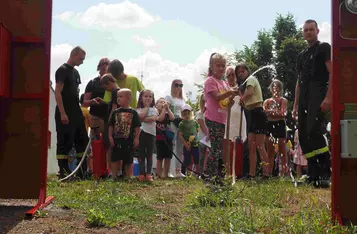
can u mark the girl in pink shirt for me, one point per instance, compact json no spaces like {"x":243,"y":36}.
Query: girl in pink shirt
{"x":217,"y":95}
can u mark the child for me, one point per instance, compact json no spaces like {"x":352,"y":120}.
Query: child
{"x":188,"y":129}
{"x":217,"y":95}
{"x":148,"y":116}
{"x":203,"y":132}
{"x":124,"y":130}
{"x":164,"y":145}
{"x":275,"y":109}
{"x":108,"y":83}
{"x":299,"y":158}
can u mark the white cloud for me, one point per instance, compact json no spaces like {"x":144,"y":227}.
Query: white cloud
{"x":325,"y":32}
{"x":148,"y":43}
{"x":158,"y":73}
{"x":110,"y":16}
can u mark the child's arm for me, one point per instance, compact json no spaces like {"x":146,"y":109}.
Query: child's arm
{"x":110,"y":135}
{"x":248,"y":93}
{"x":142,"y":113}
{"x":161,"y":117}
{"x":136,"y":139}
{"x":283,"y":108}
{"x":202,"y":126}
{"x":221,"y":96}
{"x":171,"y":115}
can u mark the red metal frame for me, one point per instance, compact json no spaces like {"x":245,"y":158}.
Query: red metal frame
{"x":5,"y":37}
{"x":42,"y":200}
{"x":335,"y":117}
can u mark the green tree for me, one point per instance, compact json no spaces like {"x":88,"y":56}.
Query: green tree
{"x":285,"y":26}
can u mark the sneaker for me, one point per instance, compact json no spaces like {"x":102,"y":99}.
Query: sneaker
{"x":149,"y":178}
{"x":180,"y":175}
{"x":171,"y":175}
{"x":141,"y":178}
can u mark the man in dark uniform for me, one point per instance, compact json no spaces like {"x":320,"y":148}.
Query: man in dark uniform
{"x":93,"y":97}
{"x":69,"y":119}
{"x":312,"y":99}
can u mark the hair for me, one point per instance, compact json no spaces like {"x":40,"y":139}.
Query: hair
{"x":309,"y":21}
{"x":81,"y":99}
{"x":241,"y":65}
{"x":76,"y":50}
{"x":107,"y":78}
{"x":172,"y":89}
{"x":103,"y":61}
{"x":202,"y":103}
{"x":157,"y":101}
{"x":278,"y":83}
{"x":116,"y":68}
{"x":140,"y":101}
{"x":126,"y":91}
{"x":214,"y":57}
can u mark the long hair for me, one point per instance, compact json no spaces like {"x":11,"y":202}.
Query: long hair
{"x":202,"y":103}
{"x":210,"y":64}
{"x":140,"y":101}
{"x":107,"y":78}
{"x":172,"y":89}
{"x":278,"y":83}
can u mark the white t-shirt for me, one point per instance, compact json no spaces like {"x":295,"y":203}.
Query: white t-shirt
{"x":149,"y":128}
{"x":236,"y":115}
{"x":175,"y":105}
{"x":201,"y":116}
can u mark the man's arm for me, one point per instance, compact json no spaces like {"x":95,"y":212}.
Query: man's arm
{"x":58,"y":96}
{"x":329,"y":89}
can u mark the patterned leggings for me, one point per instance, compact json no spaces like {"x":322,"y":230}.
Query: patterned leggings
{"x":216,"y":136}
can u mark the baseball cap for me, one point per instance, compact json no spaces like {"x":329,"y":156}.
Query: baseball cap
{"x":186,"y":107}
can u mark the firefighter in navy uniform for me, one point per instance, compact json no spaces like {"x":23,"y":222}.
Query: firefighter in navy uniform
{"x":70,"y":124}
{"x":312,"y":99}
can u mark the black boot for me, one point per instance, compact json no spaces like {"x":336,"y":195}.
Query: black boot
{"x":64,"y":168}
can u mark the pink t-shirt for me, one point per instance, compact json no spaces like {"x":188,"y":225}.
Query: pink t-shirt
{"x":215,"y":111}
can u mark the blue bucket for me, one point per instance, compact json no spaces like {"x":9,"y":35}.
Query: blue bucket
{"x":136,"y":170}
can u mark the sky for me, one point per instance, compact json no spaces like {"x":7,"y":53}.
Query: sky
{"x":167,"y":39}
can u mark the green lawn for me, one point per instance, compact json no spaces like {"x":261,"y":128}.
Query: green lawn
{"x":187,"y":206}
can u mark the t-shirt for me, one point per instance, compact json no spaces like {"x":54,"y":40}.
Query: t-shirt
{"x":257,"y":96}
{"x":189,"y":129}
{"x":175,"y":105}
{"x":236,"y":115}
{"x":134,"y":84}
{"x":312,"y":63}
{"x":96,"y":89}
{"x":69,"y":77}
{"x":161,"y":127}
{"x":200,"y":116}
{"x":124,"y":121}
{"x":149,"y":128}
{"x":114,"y":99}
{"x":215,"y":111}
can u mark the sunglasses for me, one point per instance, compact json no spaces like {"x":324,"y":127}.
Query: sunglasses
{"x":231,"y":74}
{"x":178,"y":85}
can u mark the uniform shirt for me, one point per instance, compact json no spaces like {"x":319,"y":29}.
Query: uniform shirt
{"x":96,"y":89}
{"x":124,"y":121}
{"x":69,"y":77}
{"x":312,"y":63}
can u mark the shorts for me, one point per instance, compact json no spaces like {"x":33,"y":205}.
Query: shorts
{"x":146,"y":144}
{"x":164,"y":150}
{"x":257,"y":121}
{"x":276,"y":129}
{"x":122,"y":150}
{"x":192,"y":156}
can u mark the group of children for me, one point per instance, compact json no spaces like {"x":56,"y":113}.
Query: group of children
{"x":150,"y":124}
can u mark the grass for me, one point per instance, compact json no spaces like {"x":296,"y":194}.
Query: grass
{"x":187,"y":206}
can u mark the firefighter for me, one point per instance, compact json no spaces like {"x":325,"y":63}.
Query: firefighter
{"x":70,"y":125}
{"x":312,"y":99}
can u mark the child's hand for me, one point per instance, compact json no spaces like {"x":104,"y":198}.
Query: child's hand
{"x":165,"y":106}
{"x":188,"y":148}
{"x":111,"y":141}
{"x":136,"y":142}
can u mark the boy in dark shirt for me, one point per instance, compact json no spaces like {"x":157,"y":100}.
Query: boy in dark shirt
{"x":124,"y":131}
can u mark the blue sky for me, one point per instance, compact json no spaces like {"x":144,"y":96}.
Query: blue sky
{"x":167,"y":39}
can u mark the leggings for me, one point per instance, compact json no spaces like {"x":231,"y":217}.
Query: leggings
{"x":216,"y":135}
{"x":146,"y":149}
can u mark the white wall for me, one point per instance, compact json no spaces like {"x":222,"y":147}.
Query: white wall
{"x":52,"y":167}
